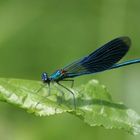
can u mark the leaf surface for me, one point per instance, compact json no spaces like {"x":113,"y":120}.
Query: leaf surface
{"x":94,"y":104}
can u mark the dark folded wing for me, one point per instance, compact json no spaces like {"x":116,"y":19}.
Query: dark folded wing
{"x":100,"y":60}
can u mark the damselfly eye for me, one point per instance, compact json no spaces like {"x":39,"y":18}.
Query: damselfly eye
{"x":44,"y":77}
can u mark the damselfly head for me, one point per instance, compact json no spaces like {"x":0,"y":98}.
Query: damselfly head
{"x":45,"y":77}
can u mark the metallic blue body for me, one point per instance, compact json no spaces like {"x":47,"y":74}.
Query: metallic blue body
{"x":56,"y":75}
{"x":104,"y":58}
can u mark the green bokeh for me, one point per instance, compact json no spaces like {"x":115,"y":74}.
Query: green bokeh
{"x":45,"y":35}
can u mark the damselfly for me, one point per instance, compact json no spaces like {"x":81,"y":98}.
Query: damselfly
{"x":104,"y":58}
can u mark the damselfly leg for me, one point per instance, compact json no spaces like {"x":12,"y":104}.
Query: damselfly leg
{"x":70,"y":80}
{"x":74,"y":100}
{"x":43,"y":86}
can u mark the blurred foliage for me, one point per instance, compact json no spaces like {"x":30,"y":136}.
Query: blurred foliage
{"x":45,"y":35}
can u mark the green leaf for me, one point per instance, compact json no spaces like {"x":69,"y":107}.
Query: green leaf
{"x":93,"y":103}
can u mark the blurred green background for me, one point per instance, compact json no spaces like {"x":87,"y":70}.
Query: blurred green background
{"x":38,"y":36}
